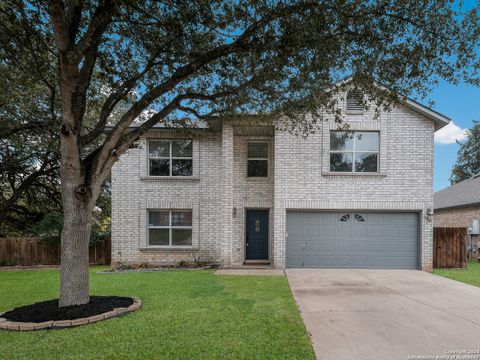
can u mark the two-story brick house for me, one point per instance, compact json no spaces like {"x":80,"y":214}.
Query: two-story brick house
{"x":234,"y":194}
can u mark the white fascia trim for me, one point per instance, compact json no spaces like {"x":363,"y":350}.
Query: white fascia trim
{"x":439,"y":119}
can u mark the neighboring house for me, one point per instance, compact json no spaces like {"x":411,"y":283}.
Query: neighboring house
{"x":234,"y":194}
{"x":458,"y":205}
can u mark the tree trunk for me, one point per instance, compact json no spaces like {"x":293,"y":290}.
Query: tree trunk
{"x":74,"y":289}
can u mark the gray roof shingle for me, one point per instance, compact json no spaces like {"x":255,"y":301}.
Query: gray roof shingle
{"x":461,"y":194}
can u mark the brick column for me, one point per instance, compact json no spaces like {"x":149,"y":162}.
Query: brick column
{"x":227,"y":192}
{"x":279,"y":215}
{"x":426,"y":239}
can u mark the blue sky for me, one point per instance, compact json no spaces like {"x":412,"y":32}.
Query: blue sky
{"x":462,"y":104}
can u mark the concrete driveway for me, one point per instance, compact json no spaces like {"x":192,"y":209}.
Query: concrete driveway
{"x":386,"y":314}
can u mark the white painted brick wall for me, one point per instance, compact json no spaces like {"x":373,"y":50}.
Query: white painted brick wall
{"x":133,"y":193}
{"x":298,"y":179}
{"x":303,"y":181}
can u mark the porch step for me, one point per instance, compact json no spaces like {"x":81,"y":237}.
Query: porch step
{"x":247,"y":267}
{"x":265,"y":265}
{"x":256,"y":262}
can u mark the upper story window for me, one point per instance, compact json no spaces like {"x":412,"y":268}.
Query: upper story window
{"x":354,"y":101}
{"x":170,"y":227}
{"x":257,"y":159}
{"x":170,"y":158}
{"x":354,"y":151}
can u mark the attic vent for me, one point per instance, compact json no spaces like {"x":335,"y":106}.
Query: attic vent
{"x":354,"y":101}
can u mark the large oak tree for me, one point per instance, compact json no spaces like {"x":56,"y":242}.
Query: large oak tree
{"x":203,"y":58}
{"x":468,"y":156}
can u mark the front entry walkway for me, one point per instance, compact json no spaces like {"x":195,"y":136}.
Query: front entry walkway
{"x":386,"y":314}
{"x":256,"y":272}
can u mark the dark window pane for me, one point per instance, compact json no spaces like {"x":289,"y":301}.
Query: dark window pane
{"x":181,"y":218}
{"x":182,"y":148}
{"x":341,"y":162}
{"x":158,"y":218}
{"x":159,"y":148}
{"x":159,"y":167}
{"x":182,"y":167}
{"x":182,"y":237}
{"x":158,"y":237}
{"x":257,"y":168}
{"x":341,"y":140}
{"x":366,"y":162}
{"x":366,"y":141}
{"x":258,"y":150}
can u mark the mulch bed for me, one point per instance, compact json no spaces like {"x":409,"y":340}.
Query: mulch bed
{"x":146,"y":267}
{"x":49,"y":310}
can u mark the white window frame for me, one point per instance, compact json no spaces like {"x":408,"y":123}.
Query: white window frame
{"x":169,"y":227}
{"x":170,"y":158}
{"x":353,"y":152}
{"x":264,"y":159}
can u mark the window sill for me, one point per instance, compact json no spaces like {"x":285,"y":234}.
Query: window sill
{"x":351,"y":112}
{"x":169,"y":248}
{"x":352,"y":174}
{"x":258,"y":178}
{"x":170,"y":178}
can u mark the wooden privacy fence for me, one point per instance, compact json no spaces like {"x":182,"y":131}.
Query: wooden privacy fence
{"x":32,"y":251}
{"x":449,"y":247}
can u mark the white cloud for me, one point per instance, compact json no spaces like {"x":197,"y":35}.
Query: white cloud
{"x":450,"y":134}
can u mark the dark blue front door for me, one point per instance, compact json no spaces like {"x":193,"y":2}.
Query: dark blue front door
{"x":257,"y":234}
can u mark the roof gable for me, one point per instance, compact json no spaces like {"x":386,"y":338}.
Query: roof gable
{"x":439,"y":120}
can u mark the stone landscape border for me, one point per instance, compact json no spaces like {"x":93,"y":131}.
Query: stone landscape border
{"x":62,"y":324}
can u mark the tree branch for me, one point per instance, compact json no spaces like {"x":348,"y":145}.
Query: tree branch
{"x":96,"y":28}
{"x":56,"y":10}
{"x":74,"y":18}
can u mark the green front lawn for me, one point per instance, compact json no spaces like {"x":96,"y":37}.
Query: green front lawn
{"x":470,"y":275}
{"x":185,"y":315}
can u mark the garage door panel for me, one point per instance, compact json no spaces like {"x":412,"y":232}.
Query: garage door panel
{"x":375,"y":261}
{"x":318,"y":218}
{"x":360,"y":245}
{"x":344,"y":231}
{"x":296,"y":229}
{"x":344,"y":260}
{"x":312,"y":246}
{"x":359,"y":260}
{"x":328,"y":245}
{"x":294,"y":246}
{"x":360,"y":231}
{"x":344,"y":245}
{"x":295,"y":260}
{"x":376,"y":232}
{"x":312,"y":260}
{"x":326,"y":230}
{"x":360,"y":240}
{"x":401,"y":247}
{"x":312,"y":231}
{"x":376,"y":246}
{"x":374,"y":219}
{"x":327,"y":260}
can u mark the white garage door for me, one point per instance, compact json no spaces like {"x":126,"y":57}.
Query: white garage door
{"x":352,"y":239}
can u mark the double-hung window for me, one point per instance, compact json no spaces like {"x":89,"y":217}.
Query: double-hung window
{"x":354,"y":151}
{"x":170,"y":158}
{"x":257,"y":159}
{"x":170,"y":227}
